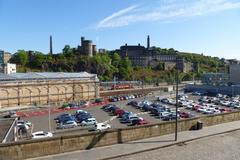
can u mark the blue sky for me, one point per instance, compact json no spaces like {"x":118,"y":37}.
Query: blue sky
{"x":211,"y":27}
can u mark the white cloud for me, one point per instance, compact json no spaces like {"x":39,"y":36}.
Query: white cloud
{"x":105,"y":21}
{"x":163,"y":10}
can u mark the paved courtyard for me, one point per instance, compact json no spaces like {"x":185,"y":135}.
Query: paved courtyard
{"x":220,"y":147}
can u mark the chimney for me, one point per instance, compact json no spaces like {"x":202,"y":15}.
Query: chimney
{"x":51,"y":51}
{"x":148,"y":42}
{"x":82,"y":39}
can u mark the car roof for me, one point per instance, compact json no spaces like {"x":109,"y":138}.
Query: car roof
{"x":39,"y":132}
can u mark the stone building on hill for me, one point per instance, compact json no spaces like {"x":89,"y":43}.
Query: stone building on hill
{"x":147,"y":57}
{"x":87,"y":47}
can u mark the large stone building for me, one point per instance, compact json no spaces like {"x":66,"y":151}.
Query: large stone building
{"x":147,"y":57}
{"x":43,"y":88}
{"x":234,"y":72}
{"x":87,"y":47}
{"x":215,"y":79}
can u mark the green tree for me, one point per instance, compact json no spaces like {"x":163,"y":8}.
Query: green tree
{"x":125,"y":69}
{"x":116,"y":59}
{"x":66,"y":49}
{"x":38,"y":60}
{"x":160,"y":66}
{"x":20,"y":58}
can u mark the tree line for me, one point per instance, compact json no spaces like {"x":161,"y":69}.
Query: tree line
{"x":107,"y":66}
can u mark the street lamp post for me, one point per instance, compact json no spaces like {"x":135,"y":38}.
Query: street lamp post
{"x":176,"y":120}
{"x":232,"y":90}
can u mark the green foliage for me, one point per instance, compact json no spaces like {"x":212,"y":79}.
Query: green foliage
{"x":106,"y":66}
{"x":20,"y":58}
{"x":164,"y":51}
{"x":37,"y":60}
{"x":160,"y":66}
{"x":116,"y":59}
{"x":125,"y":69}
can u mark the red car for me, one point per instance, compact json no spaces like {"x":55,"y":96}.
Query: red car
{"x":184,"y":115}
{"x":195,"y":107}
{"x":225,"y":110}
{"x":119,"y":112}
{"x":142,"y":122}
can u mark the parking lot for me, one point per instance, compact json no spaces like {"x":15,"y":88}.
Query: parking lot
{"x":190,"y":105}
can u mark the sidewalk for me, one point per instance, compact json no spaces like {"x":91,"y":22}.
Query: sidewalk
{"x":129,"y":148}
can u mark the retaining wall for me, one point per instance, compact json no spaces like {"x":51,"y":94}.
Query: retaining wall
{"x":55,"y":145}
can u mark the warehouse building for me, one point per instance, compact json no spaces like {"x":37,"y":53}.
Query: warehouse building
{"x":19,"y":89}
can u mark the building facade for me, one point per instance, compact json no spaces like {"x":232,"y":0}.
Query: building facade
{"x":234,"y":72}
{"x":147,"y":57}
{"x":215,"y":79}
{"x":9,"y":68}
{"x":45,"y":88}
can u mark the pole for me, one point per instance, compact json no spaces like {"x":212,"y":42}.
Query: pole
{"x":114,"y":79}
{"x":176,"y":120}
{"x":49,"y":116}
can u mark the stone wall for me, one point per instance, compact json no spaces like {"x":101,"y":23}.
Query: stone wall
{"x":49,"y":91}
{"x":55,"y":145}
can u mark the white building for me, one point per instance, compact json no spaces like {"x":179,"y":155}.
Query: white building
{"x":9,"y":68}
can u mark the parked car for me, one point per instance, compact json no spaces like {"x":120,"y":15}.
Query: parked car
{"x":225,"y":110}
{"x":186,"y":115}
{"x":119,"y":111}
{"x":67,"y":124}
{"x":128,"y":117}
{"x":132,"y":103}
{"x":139,"y":121}
{"x":164,"y":114}
{"x":82,"y":116}
{"x":41,"y":134}
{"x":88,"y":122}
{"x":80,"y":112}
{"x":58,"y":118}
{"x":67,"y":118}
{"x":11,"y":114}
{"x":146,"y":107}
{"x":101,"y":126}
{"x":110,"y":108}
{"x":24,"y":124}
{"x":106,"y":106}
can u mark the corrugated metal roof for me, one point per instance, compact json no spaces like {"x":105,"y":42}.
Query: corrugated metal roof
{"x":45,"y":75}
{"x":5,"y":76}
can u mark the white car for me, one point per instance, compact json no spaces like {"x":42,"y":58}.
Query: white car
{"x":209,"y":111}
{"x":41,"y":134}
{"x":102,"y":126}
{"x":201,"y":109}
{"x":189,"y":106}
{"x":80,"y":111}
{"x":88,"y":122}
{"x":25,"y":124}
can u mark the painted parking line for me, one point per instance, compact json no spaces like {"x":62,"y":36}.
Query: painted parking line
{"x":111,"y":119}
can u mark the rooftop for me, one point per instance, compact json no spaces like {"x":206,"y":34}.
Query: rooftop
{"x":45,"y":75}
